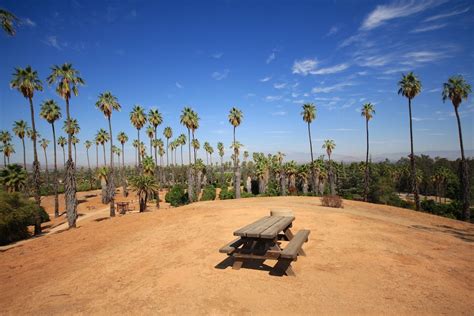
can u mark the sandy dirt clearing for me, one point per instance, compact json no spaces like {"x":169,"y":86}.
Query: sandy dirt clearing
{"x":364,"y":259}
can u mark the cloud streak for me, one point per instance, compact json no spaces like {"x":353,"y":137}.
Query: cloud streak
{"x":309,"y":66}
{"x":220,"y":75}
{"x":446,"y":15}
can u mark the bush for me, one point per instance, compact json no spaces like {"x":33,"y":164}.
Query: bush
{"x":16,"y":214}
{"x":272,"y":189}
{"x":332,"y":201}
{"x":246,"y":195}
{"x":176,"y":196}
{"x":451,"y":210}
{"x":225,"y":194}
{"x":209,"y":193}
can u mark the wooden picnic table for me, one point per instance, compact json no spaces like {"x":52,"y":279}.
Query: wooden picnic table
{"x":260,"y":240}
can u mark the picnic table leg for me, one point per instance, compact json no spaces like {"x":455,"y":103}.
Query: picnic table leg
{"x":237,"y":263}
{"x":289,"y":235}
{"x":283,"y":266}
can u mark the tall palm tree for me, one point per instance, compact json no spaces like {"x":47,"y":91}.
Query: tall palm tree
{"x":456,"y":89}
{"x":210,"y":150}
{"x":107,"y":103}
{"x":368,"y":111}
{"x":5,"y":138}
{"x":309,"y":115}
{"x":62,"y":141}
{"x":150,"y":131}
{"x":102,"y":137}
{"x":190,"y":119}
{"x":182,"y":141}
{"x":44,"y":143}
{"x":135,"y":145}
{"x":220,"y":149}
{"x":68,"y":82}
{"x":138,"y":119}
{"x":155,"y":119}
{"x":8,"y":150}
{"x":26,"y":81}
{"x":20,"y":128}
{"x":75,"y":141}
{"x":206,"y":149}
{"x":168,"y":133}
{"x":88,"y":145}
{"x":410,"y":87}
{"x":8,"y":20}
{"x":51,"y":112}
{"x":329,"y":145}
{"x":123,"y":138}
{"x":235,"y":118}
{"x":72,"y":127}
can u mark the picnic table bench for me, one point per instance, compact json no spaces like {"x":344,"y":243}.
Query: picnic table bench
{"x":260,"y":241}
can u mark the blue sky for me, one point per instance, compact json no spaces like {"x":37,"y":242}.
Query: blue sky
{"x":265,"y":57}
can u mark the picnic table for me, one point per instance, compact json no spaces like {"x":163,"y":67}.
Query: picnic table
{"x":261,"y":240}
{"x":122,"y":207}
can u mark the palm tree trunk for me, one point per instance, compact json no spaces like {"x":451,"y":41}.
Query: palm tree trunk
{"x":182,"y":164}
{"x":46,"y":169}
{"x":55,"y":184}
{"x":313,"y":174}
{"x":24,"y":152}
{"x":237,"y":172}
{"x":36,"y":171}
{"x":138,"y":149}
{"x":124,"y":181}
{"x":156,"y":157}
{"x":111,"y":184}
{"x":105,"y":159}
{"x":96,"y":156}
{"x":89,"y":169}
{"x":366,"y":188}
{"x":190,"y":175}
{"x":464,"y":173}
{"x":75,"y":155}
{"x":64,"y":156}
{"x":414,"y":185}
{"x":167,"y":150}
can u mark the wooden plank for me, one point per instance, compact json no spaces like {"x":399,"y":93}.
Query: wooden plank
{"x":243,"y":230}
{"x":256,"y":231}
{"x":269,"y":255}
{"x":230,"y":247}
{"x":291,"y":250}
{"x":272,"y":231}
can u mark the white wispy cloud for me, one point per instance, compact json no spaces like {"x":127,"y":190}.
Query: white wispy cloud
{"x":28,"y":22}
{"x":53,"y":42}
{"x":271,"y":98}
{"x":428,"y":28}
{"x":250,"y":95}
{"x":373,"y":61}
{"x":271,"y":57}
{"x":333,"y":30}
{"x":178,"y":85}
{"x":327,"y":89}
{"x":423,"y":57}
{"x":446,"y":15}
{"x":220,"y":75}
{"x":309,"y":66}
{"x":279,"y":85}
{"x":279,"y":113}
{"x":217,"y":55}
{"x":398,"y":9}
{"x":304,"y":66}
{"x":265,"y":79}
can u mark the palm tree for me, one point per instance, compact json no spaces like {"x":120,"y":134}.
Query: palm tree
{"x":26,"y":81}
{"x":206,"y":149}
{"x":5,"y":138}
{"x":210,"y":150}
{"x":235,"y":118}
{"x":220,"y":149}
{"x":457,"y":89}
{"x":8,"y":150}
{"x":135,"y":145}
{"x":68,"y":82}
{"x":168,"y":133}
{"x":88,"y":145}
{"x":122,"y":138}
{"x":8,"y":19}
{"x":44,"y":143}
{"x":329,"y":145}
{"x":75,"y":141}
{"x":309,"y":115}
{"x":51,"y":112}
{"x":410,"y":87}
{"x":20,"y":128}
{"x":13,"y":178}
{"x":155,"y":119}
{"x":62,"y":142}
{"x":368,"y":111}
{"x":145,"y":186}
{"x":138,"y":119}
{"x":181,"y":142}
{"x":150,"y":131}
{"x":102,"y":137}
{"x":72,"y":128}
{"x":190,"y":119}
{"x":107,"y":103}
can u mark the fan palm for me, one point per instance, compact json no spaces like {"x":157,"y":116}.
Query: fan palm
{"x":368,"y":111}
{"x":181,"y":142}
{"x":190,"y":119}
{"x":68,"y":81}
{"x":329,"y":145}
{"x":71,"y":127}
{"x":309,"y":115}
{"x":27,"y":82}
{"x":457,"y":89}
{"x":150,"y":131}
{"x":102,"y":137}
{"x":51,"y":112}
{"x":20,"y":128}
{"x":62,"y":141}
{"x":44,"y":144}
{"x":168,"y":133}
{"x":13,"y":178}
{"x":75,"y":141}
{"x":155,"y":119}
{"x":145,"y":186}
{"x":8,"y":150}
{"x":107,"y":103}
{"x":122,"y":138}
{"x":410,"y":87}
{"x":138,"y":119}
{"x":235,"y":118}
{"x":5,"y":138}
{"x":8,"y":20}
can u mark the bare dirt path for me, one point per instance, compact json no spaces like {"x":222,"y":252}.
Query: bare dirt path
{"x":363,"y":259}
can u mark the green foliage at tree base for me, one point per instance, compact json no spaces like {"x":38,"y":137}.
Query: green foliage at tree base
{"x":177,"y":196}
{"x":16,"y":214}
{"x":452,"y":210}
{"x":209,"y":193}
{"x":226,"y":194}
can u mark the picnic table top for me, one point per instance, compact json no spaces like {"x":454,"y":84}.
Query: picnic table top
{"x":267,"y":227}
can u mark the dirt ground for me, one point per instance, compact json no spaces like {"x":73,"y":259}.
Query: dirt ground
{"x":362,"y":259}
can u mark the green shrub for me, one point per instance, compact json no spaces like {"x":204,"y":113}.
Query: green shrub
{"x":225,"y":194}
{"x":246,"y":195}
{"x":451,"y":210}
{"x":209,"y":193}
{"x":16,"y":214}
{"x":272,"y":189}
{"x":176,"y":196}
